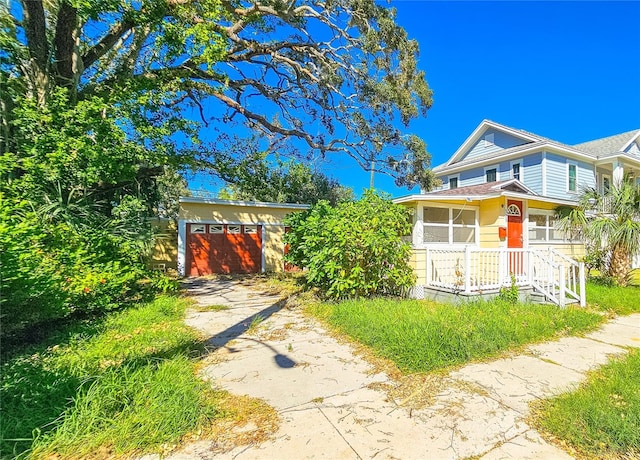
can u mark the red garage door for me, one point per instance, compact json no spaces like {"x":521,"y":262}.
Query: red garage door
{"x":218,"y":248}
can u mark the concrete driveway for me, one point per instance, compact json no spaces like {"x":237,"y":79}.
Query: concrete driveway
{"x":333,"y":405}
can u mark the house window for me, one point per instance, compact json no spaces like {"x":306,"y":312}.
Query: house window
{"x":450,"y":225}
{"x":572,"y":177}
{"x":606,"y":183}
{"x":542,"y":227}
{"x":515,"y":171}
{"x":491,"y":175}
{"x":453,"y":183}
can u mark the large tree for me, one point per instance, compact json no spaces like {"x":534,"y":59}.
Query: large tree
{"x":608,"y":221}
{"x":338,"y":77}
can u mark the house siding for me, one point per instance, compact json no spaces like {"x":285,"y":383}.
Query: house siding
{"x":473,"y":176}
{"x":633,"y":149}
{"x":532,"y":172}
{"x":501,"y":141}
{"x":556,"y":171}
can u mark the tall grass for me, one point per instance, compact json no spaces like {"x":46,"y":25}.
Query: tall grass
{"x":618,"y":299}
{"x":602,"y":418}
{"x":127,"y":386}
{"x":422,"y":336}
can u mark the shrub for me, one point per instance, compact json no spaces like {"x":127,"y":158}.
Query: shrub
{"x":355,"y":249}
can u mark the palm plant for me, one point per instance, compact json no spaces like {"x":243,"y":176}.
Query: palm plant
{"x":609,"y":221}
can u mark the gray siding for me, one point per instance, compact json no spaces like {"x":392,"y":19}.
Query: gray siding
{"x":501,"y":141}
{"x":473,"y":176}
{"x":557,"y":177}
{"x":633,"y":149}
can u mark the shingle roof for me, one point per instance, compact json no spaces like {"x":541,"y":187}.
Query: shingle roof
{"x":606,"y":145}
{"x":480,"y":189}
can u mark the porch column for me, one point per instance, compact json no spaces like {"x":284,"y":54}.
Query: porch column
{"x":618,"y":173}
{"x":418,"y":228}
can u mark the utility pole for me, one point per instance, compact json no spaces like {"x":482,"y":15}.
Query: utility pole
{"x":371,"y":179}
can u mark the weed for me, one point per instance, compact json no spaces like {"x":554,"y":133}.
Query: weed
{"x":256,"y":320}
{"x":510,"y":294}
{"x":204,"y":308}
{"x":601,"y":418}
{"x":420,"y":336}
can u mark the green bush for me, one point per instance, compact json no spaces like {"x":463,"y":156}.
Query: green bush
{"x":355,"y":249}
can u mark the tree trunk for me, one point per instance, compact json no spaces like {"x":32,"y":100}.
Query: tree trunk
{"x":65,"y":47}
{"x":35,"y":31}
{"x":620,"y":265}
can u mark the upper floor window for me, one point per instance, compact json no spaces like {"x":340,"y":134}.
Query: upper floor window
{"x":515,"y":171}
{"x":572,"y":177}
{"x":491,"y":175}
{"x":453,"y":183}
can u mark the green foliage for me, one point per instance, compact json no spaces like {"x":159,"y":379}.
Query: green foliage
{"x":601,"y":419}
{"x":251,"y":175}
{"x":421,"y":336}
{"x":123,"y":384}
{"x":610,"y":225}
{"x":604,"y":294}
{"x":355,"y":249}
{"x":510,"y":294}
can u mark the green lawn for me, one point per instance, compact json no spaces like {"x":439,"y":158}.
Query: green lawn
{"x":421,"y":336}
{"x":602,"y":418}
{"x":620,"y":300}
{"x":124,"y":384}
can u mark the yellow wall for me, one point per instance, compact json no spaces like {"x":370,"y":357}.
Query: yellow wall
{"x":196,"y":212}
{"x":165,"y":250}
{"x":491,"y":218}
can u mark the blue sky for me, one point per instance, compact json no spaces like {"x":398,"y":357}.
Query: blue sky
{"x":568,"y":70}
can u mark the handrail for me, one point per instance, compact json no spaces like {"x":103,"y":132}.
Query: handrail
{"x":470,"y":270}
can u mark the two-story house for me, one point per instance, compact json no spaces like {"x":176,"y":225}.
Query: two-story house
{"x":493,"y":216}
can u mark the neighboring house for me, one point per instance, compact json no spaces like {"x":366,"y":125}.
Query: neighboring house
{"x":493,"y":216}
{"x":221,"y":236}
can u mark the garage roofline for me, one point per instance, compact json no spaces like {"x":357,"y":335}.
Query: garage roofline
{"x":257,"y":204}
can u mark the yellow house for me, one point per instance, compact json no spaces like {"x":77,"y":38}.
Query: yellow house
{"x":222,"y":236}
{"x":476,"y":239}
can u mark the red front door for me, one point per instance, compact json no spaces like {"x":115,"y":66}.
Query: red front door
{"x":514,"y":236}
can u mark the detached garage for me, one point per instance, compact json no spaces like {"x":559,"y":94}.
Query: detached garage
{"x":221,"y":236}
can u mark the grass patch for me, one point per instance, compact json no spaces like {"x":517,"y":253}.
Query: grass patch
{"x":211,"y":308}
{"x":601,"y":419}
{"x":617,"y":299}
{"x":126,"y":386}
{"x":420,"y":336}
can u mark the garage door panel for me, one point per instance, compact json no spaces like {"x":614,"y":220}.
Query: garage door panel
{"x":232,"y":251}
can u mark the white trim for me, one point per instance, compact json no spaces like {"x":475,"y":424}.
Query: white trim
{"x":477,"y":133}
{"x":567,"y":152}
{"x":543,"y":167}
{"x":488,"y":168}
{"x":505,"y":193}
{"x":263,"y":257}
{"x":256,"y":204}
{"x":182,"y":242}
{"x":518,"y":162}
{"x":450,"y":225}
{"x":454,"y":176}
{"x":635,"y":137}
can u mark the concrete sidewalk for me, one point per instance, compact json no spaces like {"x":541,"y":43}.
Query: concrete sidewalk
{"x":332,"y":406}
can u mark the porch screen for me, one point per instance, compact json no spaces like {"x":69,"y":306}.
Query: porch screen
{"x":449,"y":225}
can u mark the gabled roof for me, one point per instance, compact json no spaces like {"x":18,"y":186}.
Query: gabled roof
{"x":611,"y":144}
{"x":488,"y":188}
{"x":480,"y":130}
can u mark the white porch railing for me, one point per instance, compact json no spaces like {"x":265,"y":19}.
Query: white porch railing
{"x":475,"y":270}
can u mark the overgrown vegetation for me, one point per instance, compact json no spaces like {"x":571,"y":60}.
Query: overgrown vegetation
{"x":601,"y":419}
{"x":420,"y":336}
{"x":606,"y":296}
{"x":120,"y":385}
{"x":355,"y":249}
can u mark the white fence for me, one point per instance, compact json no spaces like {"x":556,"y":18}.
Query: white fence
{"x":475,"y":270}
